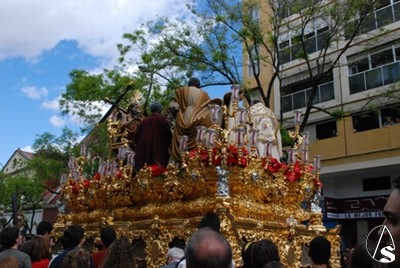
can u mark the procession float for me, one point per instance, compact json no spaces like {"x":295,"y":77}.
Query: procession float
{"x":256,"y":195}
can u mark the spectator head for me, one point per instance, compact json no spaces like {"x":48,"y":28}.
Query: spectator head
{"x":175,"y":254}
{"x":156,"y":107}
{"x":263,"y":253}
{"x":194,"y":82}
{"x":120,"y":255}
{"x":9,"y":262}
{"x":391,"y":212}
{"x":210,"y":220}
{"x":9,"y":237}
{"x":177,"y":242}
{"x":360,"y":258}
{"x":320,"y":250}
{"x":72,"y":236}
{"x":107,"y":236}
{"x":44,"y":228}
{"x":208,"y":248}
{"x":76,"y":258}
{"x":36,"y":249}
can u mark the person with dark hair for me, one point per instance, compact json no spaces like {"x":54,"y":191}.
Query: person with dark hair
{"x":208,"y":248}
{"x":210,"y":220}
{"x":43,"y":230}
{"x":72,"y":237}
{"x":360,"y":258}
{"x":107,"y":236}
{"x":153,"y":138}
{"x":120,"y":255}
{"x":38,"y":251}
{"x":391,"y":212}
{"x":10,"y":238}
{"x":76,"y":258}
{"x":189,"y":106}
{"x":263,"y":253}
{"x":320,"y":252}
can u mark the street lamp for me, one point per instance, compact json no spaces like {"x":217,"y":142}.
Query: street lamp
{"x":146,"y":69}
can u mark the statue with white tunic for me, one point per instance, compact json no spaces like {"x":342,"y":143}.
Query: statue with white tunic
{"x":269,"y":137}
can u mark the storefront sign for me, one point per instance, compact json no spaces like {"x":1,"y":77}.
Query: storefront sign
{"x":355,"y":208}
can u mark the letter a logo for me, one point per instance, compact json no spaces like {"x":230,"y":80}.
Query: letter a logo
{"x":382,"y":250}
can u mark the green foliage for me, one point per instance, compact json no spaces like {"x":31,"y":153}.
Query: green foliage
{"x":338,"y":114}
{"x":286,"y":139}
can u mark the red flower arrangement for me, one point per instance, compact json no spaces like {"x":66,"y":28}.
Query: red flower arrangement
{"x":232,"y":156}
{"x":156,"y":170}
{"x":74,"y":186}
{"x":293,"y":173}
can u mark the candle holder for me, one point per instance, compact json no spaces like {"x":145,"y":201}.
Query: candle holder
{"x":253,"y":142}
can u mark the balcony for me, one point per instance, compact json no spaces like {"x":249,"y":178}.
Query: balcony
{"x":297,"y":100}
{"x":380,"y":76}
{"x":349,"y":146}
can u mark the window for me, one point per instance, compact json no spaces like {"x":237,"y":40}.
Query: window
{"x":326,"y":130}
{"x":390,"y":116}
{"x":253,"y":62}
{"x":254,"y":13}
{"x":385,"y":13}
{"x":315,"y":40}
{"x":296,"y":95}
{"x":366,"y":121}
{"x":375,"y":184}
{"x":374,"y":69}
{"x":290,"y":7}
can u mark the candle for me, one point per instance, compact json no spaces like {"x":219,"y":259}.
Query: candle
{"x":317,"y":162}
{"x":240,"y":136}
{"x":253,"y":137}
{"x":235,"y":92}
{"x":290,"y":156}
{"x":102,"y":168}
{"x":305,"y":155}
{"x":200,"y":135}
{"x":71,"y":163}
{"x":183,"y":144}
{"x":215,"y":113}
{"x":267,"y":148}
{"x":210,"y":138}
{"x":306,"y":138}
{"x":83,"y":150}
{"x":297,"y":117}
{"x":241,"y":116}
{"x":121,"y":153}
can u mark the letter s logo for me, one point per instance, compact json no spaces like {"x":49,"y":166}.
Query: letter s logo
{"x":386,"y":252}
{"x":383,"y":249}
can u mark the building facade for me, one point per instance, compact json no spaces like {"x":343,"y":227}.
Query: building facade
{"x":361,"y":152}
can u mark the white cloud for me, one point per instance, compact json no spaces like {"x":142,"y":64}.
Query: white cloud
{"x":52,"y":104}
{"x":57,"y":121}
{"x":34,"y":92}
{"x":28,"y":149}
{"x":97,"y":26}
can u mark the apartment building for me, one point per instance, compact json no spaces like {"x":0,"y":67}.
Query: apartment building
{"x":361,"y":152}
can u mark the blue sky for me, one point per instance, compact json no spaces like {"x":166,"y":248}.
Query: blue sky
{"x":42,"y":41}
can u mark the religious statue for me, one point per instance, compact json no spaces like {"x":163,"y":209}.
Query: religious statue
{"x":263,"y":119}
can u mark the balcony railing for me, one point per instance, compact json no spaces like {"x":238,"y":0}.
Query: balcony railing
{"x":380,"y":76}
{"x":299,"y":99}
